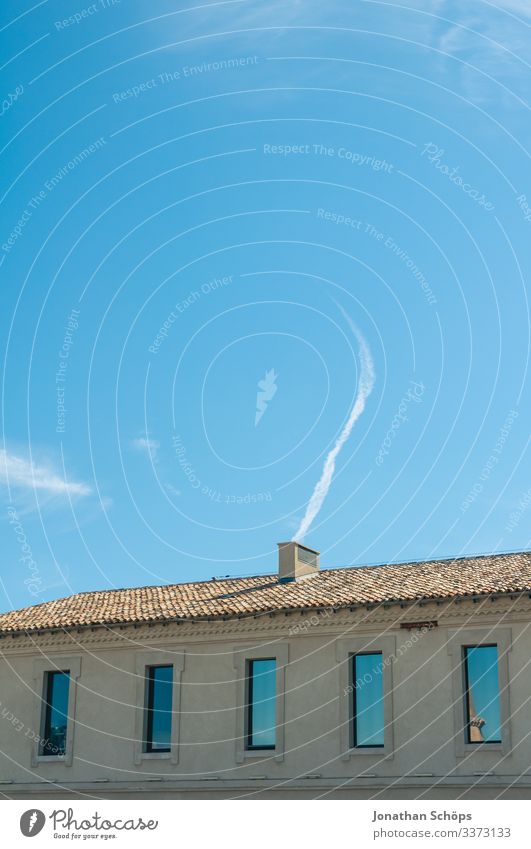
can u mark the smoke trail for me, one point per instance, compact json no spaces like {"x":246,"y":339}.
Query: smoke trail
{"x":366,"y":383}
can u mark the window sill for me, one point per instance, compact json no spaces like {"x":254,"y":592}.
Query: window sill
{"x":260,"y":754}
{"x":474,"y":748}
{"x":50,"y":759}
{"x":381,"y":752}
{"x":156,"y":756}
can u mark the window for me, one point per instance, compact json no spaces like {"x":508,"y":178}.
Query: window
{"x":55,"y":720}
{"x":261,"y":703}
{"x":157,"y":705}
{"x":159,"y":681}
{"x":482,"y":694}
{"x":366,"y":696}
{"x":260,"y":677}
{"x":367,"y":700}
{"x":480,"y":659}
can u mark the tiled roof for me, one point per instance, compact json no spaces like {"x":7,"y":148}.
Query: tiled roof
{"x":236,"y":597}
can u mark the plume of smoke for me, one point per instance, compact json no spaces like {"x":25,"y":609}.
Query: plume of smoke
{"x":365,"y":386}
{"x":268,"y":388}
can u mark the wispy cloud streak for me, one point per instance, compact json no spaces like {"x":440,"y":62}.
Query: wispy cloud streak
{"x":19,"y":473}
{"x":365,"y":387}
{"x":146,"y":445}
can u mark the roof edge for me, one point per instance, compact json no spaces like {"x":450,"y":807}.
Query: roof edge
{"x":273,"y":576}
{"x":227,"y":617}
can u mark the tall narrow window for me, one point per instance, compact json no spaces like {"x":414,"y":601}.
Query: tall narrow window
{"x":159,"y":682}
{"x":483,"y":720}
{"x":54,"y":727}
{"x":261,"y":706}
{"x":367,"y":700}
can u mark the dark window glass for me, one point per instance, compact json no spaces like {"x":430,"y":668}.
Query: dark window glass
{"x":367,"y":700}
{"x":56,"y":686}
{"x":261,"y":711}
{"x":482,"y":694}
{"x":159,"y":708}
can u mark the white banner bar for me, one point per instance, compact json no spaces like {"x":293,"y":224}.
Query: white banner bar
{"x":261,"y":824}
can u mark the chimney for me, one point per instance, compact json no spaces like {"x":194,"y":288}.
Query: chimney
{"x":296,"y":561}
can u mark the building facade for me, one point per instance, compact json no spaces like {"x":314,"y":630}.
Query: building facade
{"x":408,"y":681}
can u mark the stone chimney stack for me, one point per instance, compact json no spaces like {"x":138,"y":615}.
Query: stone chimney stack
{"x":296,"y":561}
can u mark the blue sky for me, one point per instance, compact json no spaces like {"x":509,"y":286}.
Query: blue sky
{"x":205,"y":209}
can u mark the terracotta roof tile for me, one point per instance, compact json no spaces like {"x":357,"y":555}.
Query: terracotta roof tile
{"x":233,"y":597}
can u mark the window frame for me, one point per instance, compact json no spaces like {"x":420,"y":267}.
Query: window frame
{"x":353,"y":704}
{"x":468,"y":741}
{"x":47,"y":707}
{"x":459,"y":639}
{"x":163,"y":656}
{"x":41,"y":667}
{"x":249,"y":747}
{"x":346,"y":649}
{"x":149,"y":710}
{"x":241,"y":654}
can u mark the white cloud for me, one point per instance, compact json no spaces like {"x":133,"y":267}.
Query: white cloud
{"x":483,"y":8}
{"x":147,"y":446}
{"x":365,"y":386}
{"x":482,"y":46}
{"x":19,"y":473}
{"x":522,"y":7}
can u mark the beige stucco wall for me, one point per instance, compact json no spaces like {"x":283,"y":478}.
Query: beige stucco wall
{"x":315,"y":760}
